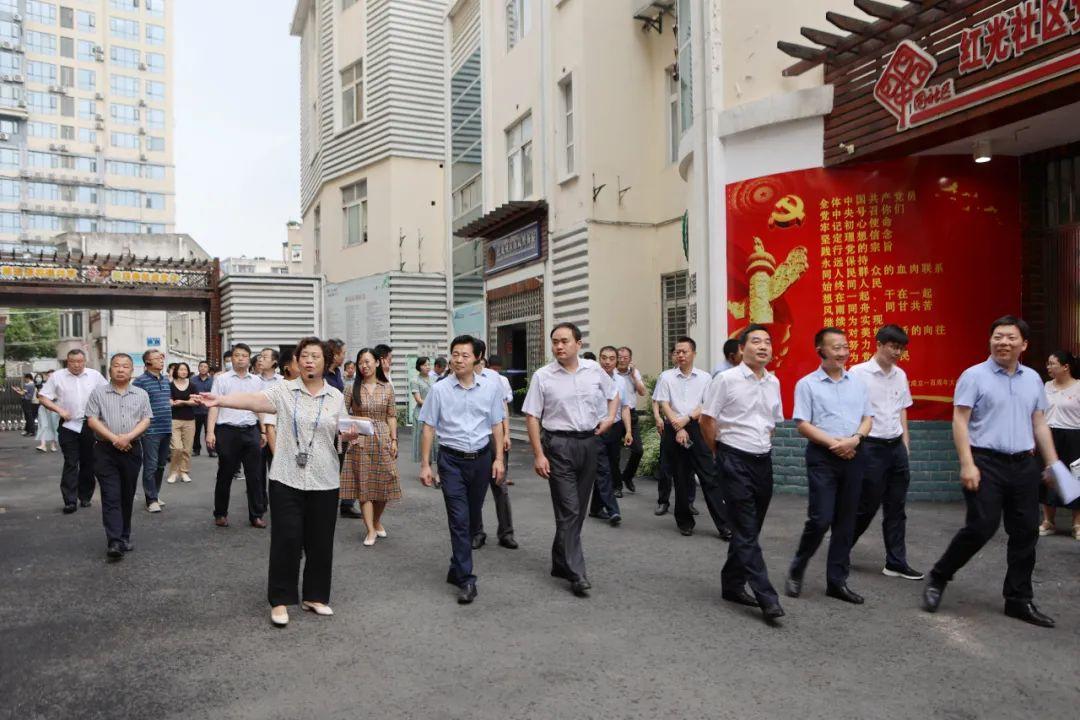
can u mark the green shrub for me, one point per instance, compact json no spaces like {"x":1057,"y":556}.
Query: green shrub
{"x":650,"y":445}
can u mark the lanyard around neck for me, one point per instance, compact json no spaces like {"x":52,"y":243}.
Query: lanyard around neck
{"x":314,"y":426}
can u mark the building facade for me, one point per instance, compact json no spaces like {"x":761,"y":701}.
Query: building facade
{"x":86,"y":115}
{"x":566,"y":202}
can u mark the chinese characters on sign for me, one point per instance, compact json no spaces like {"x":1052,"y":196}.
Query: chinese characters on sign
{"x":1013,"y":32}
{"x":930,"y":244}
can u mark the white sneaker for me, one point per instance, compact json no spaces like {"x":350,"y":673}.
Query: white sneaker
{"x":161,"y":502}
{"x":184,"y":477}
{"x":154,"y":507}
{"x":171,"y":479}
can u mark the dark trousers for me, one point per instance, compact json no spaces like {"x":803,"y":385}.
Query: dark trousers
{"x":304,"y":522}
{"x":200,"y":428}
{"x":29,"y":411}
{"x":573,"y":466}
{"x":834,"y":488}
{"x":236,"y":446}
{"x":77,"y":477}
{"x":686,"y":463}
{"x":1009,"y":489}
{"x":636,"y":453}
{"x":505,"y":517}
{"x":607,"y":470}
{"x":665,"y":476}
{"x":156,"y":453}
{"x":464,"y":487}
{"x":748,"y":487}
{"x":885,"y":484}
{"x":118,"y":476}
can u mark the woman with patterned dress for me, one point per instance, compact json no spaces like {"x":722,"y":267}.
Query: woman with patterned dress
{"x":1063,"y":417}
{"x":369,"y":474}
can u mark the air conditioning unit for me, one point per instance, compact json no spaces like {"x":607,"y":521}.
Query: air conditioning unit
{"x":142,"y":156}
{"x":6,"y":44}
{"x":99,"y":117}
{"x":98,"y":49}
{"x":99,"y":125}
{"x":7,"y":77}
{"x":39,"y":207}
{"x":22,"y":103}
{"x":142,"y":66}
{"x":63,"y":148}
{"x":4,"y":136}
{"x":16,"y":17}
{"x":99,"y":96}
{"x":142,"y":103}
{"x":17,"y":78}
{"x":52,"y":146}
{"x":142,"y":131}
{"x":97,"y":148}
{"x":55,"y":89}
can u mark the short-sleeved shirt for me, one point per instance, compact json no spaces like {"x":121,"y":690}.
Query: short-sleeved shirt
{"x":684,"y":392}
{"x":421,"y":385}
{"x":746,"y":408}
{"x":1001,"y":405}
{"x":120,"y":410}
{"x":198,"y":385}
{"x":182,"y":412}
{"x":71,"y":392}
{"x":269,"y":418}
{"x":1063,"y":411}
{"x":314,"y":420}
{"x":889,"y":397}
{"x":463,"y":417}
{"x":159,"y":389}
{"x":836,"y":407}
{"x":31,"y":391}
{"x":227,"y":383}
{"x":627,"y":393}
{"x":504,"y":383}
{"x":567,"y":401}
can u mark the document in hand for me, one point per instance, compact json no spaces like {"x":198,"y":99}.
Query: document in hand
{"x":350,"y":424}
{"x":1066,"y":483}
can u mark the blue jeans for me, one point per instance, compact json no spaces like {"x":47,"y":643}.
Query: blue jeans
{"x":464,"y":487}
{"x":155,"y":456}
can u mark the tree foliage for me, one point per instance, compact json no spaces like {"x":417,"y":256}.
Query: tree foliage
{"x":31,"y":334}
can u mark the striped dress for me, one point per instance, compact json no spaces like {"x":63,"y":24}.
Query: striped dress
{"x":369,"y":473}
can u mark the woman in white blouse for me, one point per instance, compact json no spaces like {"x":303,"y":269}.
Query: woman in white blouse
{"x":304,"y":479}
{"x":1063,"y":417}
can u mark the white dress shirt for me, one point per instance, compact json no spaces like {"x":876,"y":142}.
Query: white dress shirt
{"x":889,"y":396}
{"x":565,"y":401}
{"x":746,"y":409}
{"x":504,"y":383}
{"x":227,"y":383}
{"x":683,"y":392}
{"x":71,"y":392}
{"x":269,"y":418}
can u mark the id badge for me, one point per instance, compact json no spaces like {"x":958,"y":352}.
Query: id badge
{"x":301,"y":459}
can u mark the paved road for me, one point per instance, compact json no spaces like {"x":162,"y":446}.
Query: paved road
{"x":179,"y":629}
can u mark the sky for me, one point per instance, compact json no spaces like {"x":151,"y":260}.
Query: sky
{"x":237,"y":124}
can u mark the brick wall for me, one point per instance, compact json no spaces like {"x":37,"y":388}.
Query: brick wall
{"x":934,"y":468}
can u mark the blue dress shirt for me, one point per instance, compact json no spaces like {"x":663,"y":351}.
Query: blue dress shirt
{"x":463,"y":417}
{"x":1001,"y":405}
{"x":834,"y":406}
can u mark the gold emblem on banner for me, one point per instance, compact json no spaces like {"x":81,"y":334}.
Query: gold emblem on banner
{"x":789,"y":211}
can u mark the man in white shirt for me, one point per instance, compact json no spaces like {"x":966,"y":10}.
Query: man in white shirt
{"x":499,"y":491}
{"x":624,"y":366}
{"x":887,"y":475}
{"x":267,"y":368}
{"x":66,"y":394}
{"x":732,"y":357}
{"x":681,"y":394}
{"x":605,"y":504}
{"x":564,"y":425}
{"x":741,"y":410}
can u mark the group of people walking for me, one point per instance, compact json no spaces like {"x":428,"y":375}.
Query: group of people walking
{"x":297,"y":430}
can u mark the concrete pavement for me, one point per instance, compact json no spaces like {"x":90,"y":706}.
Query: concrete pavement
{"x":179,"y":628}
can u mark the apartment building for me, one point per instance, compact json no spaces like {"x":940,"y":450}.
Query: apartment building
{"x":566,"y":202}
{"x":86,"y":108}
{"x":372,"y":149}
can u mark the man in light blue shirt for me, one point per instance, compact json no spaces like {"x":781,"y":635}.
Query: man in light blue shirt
{"x":466,"y":412}
{"x":832,"y":411}
{"x":998,"y":420}
{"x":732,"y":356}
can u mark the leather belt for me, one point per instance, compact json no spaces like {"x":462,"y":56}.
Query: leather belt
{"x":1007,"y":457}
{"x":884,"y":441}
{"x":579,"y":434}
{"x":461,"y":454}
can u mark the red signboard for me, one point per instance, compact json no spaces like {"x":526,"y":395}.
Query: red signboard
{"x":931,"y":244}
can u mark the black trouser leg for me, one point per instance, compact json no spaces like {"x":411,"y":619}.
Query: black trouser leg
{"x":252,"y":460}
{"x":636,"y":450}
{"x":233,"y":448}
{"x":86,"y":463}
{"x":695,"y":460}
{"x":665,"y":470}
{"x":748,"y":486}
{"x":613,"y":443}
{"x":287,"y":536}
{"x":573,"y":472}
{"x":501,"y":495}
{"x":200,"y":425}
{"x":464,"y":485}
{"x":603,"y":496}
{"x":320,"y":519}
{"x":885,"y":484}
{"x":108,"y":473}
{"x":69,"y":476}
{"x":834,"y":488}
{"x":29,"y":411}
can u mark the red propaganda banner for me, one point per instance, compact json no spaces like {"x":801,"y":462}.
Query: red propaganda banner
{"x":931,"y":244}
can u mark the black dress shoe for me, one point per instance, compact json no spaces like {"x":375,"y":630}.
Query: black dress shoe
{"x":601,"y":514}
{"x":740,"y":597}
{"x":68,"y":509}
{"x":772,"y":613}
{"x":614,"y":520}
{"x":1027,"y":612}
{"x":843,"y":592}
{"x":618,"y":493}
{"x":687,"y":532}
{"x":84,"y":503}
{"x":115,"y":551}
{"x":630,"y":485}
{"x":478,"y":541}
{"x":127,"y":546}
{"x":508,"y":542}
{"x":467,"y":593}
{"x":195,"y":453}
{"x":211,"y":454}
{"x":793,"y":586}
{"x":693,"y":510}
{"x":351,"y":511}
{"x":661,"y":508}
{"x":931,"y":596}
{"x":581,"y":587}
{"x":724,"y":534}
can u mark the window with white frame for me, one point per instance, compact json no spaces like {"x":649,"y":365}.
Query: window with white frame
{"x":129,"y":141}
{"x":354,"y":212}
{"x":519,"y":159}
{"x":155,"y":8}
{"x":123,"y":28}
{"x":10,"y":62}
{"x":155,"y":34}
{"x":155,"y":90}
{"x":124,"y":86}
{"x":686,"y":84}
{"x":124,"y":57}
{"x":517,"y":21}
{"x":41,"y":43}
{"x":674,"y":129}
{"x":85,"y":20}
{"x":87,"y":79}
{"x":674,"y":291}
{"x":40,"y":72}
{"x":155,"y":119}
{"x":41,"y":12}
{"x":352,"y":94}
{"x":155,"y":144}
{"x":155,"y":62}
{"x":124,"y":114}
{"x":9,"y":95}
{"x":566,"y":101}
{"x":85,"y":50}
